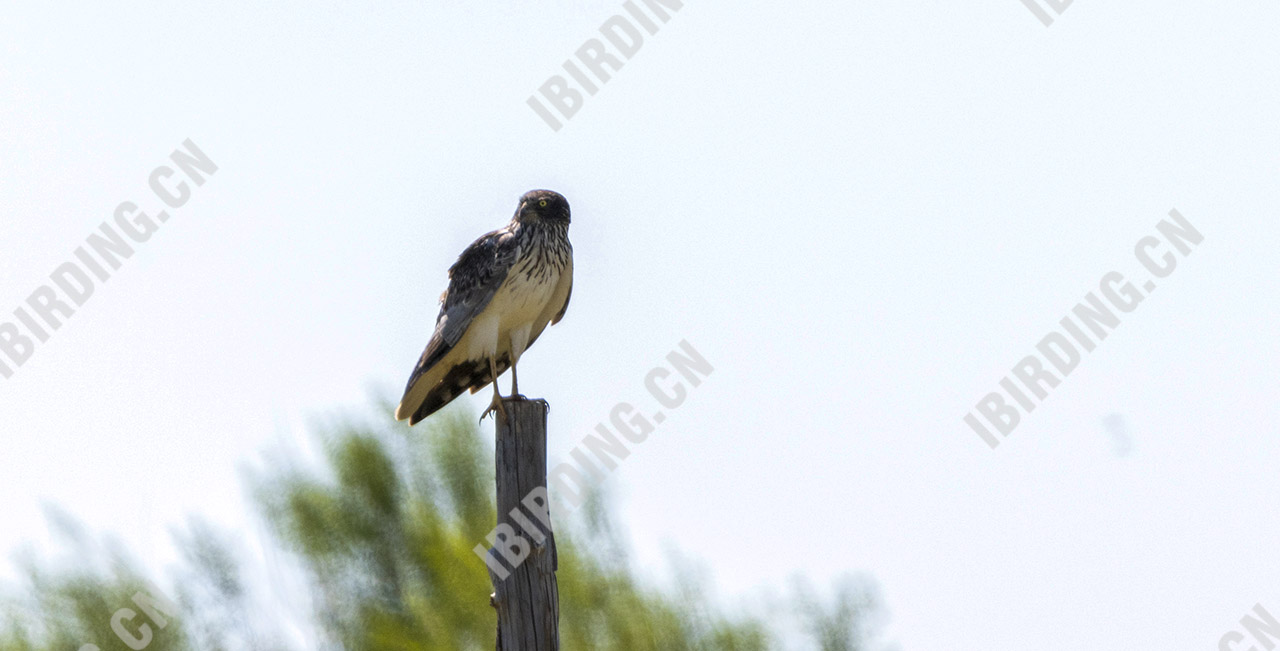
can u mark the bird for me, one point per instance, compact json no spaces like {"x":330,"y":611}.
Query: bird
{"x":503,"y":291}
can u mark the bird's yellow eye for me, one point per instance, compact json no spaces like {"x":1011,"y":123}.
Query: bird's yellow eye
{"x":543,"y":203}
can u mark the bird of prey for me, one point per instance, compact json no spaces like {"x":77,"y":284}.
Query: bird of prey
{"x":503,"y":291}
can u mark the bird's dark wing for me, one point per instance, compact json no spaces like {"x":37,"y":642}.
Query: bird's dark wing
{"x":473,"y":280}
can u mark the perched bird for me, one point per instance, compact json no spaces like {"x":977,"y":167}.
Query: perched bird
{"x":503,"y":291}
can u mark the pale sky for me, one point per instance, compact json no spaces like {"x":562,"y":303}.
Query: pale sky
{"x":863,"y":215}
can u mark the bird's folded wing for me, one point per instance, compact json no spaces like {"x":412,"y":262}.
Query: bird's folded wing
{"x":473,"y":280}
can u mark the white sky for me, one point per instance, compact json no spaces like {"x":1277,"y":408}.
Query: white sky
{"x":862,"y":214}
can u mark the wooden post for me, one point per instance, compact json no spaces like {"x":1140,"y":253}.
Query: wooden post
{"x":527,"y":599}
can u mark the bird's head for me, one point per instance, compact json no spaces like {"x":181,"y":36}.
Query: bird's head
{"x":544,"y":205}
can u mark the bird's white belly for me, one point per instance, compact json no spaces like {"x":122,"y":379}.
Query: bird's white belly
{"x":505,"y":324}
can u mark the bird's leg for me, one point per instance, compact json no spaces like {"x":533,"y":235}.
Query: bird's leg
{"x":515,"y":384}
{"x":496,"y":404}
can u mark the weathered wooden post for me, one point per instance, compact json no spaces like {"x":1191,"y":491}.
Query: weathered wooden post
{"x":527,"y":599}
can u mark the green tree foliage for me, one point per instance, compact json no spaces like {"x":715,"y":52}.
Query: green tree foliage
{"x":71,"y":601}
{"x":383,"y":531}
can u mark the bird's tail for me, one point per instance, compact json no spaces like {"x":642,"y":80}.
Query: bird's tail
{"x":469,"y":374}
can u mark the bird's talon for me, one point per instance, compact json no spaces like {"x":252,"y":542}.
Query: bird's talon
{"x":495,"y":406}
